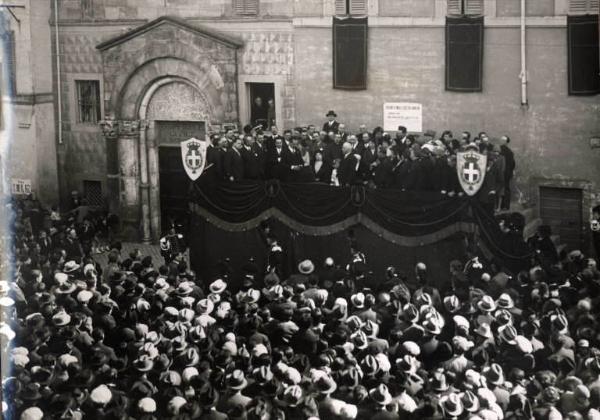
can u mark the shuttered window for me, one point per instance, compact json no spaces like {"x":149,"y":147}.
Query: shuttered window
{"x":8,"y":51}
{"x":351,"y":7}
{"x":465,"y":7}
{"x":245,"y":7}
{"x":583,"y":7}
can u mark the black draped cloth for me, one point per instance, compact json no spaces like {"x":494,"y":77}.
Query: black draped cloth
{"x":317,"y":220}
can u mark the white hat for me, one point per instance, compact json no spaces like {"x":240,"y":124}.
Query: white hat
{"x":60,"y":278}
{"x":32,"y":413}
{"x":218,"y":286}
{"x":84,"y":296}
{"x":147,"y":405}
{"x":101,"y":395}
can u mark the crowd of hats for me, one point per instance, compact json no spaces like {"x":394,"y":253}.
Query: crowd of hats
{"x":137,"y":339}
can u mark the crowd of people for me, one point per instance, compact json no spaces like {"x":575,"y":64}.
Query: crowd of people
{"x":144,"y":339}
{"x":335,"y":156}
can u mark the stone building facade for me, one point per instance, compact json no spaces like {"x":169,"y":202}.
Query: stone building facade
{"x":159,"y":62}
{"x":27,"y":121}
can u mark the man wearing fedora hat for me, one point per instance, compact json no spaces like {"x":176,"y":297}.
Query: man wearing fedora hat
{"x":331,"y":125}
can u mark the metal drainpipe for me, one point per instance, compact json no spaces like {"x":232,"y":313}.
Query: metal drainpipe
{"x":58,"y":78}
{"x":523,"y":74}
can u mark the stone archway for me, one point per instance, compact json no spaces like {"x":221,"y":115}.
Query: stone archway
{"x":192,"y":77}
{"x":167,"y":99}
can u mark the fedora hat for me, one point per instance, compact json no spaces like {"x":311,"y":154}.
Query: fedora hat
{"x":306,"y":267}
{"x":101,"y":395}
{"x":451,"y":303}
{"x":184,"y":289}
{"x":262,"y":374}
{"x":359,"y":339}
{"x":84,"y":296}
{"x":494,"y":374}
{"x":410,"y":312}
{"x":354,"y":323}
{"x":251,"y":296}
{"x":358,"y":300}
{"x":65,"y":288}
{"x":370,"y":365}
{"x":60,"y":319}
{"x":371,"y":328}
{"x":470,"y":401}
{"x":412,"y":348}
{"x":31,"y":392}
{"x":560,"y":323}
{"x":505,"y":301}
{"x":292,"y":396}
{"x":484,"y":330}
{"x":381,"y":395}
{"x":70,"y":266}
{"x":451,"y":404}
{"x":218,"y":286}
{"x":503,"y":317}
{"x":438,"y":382}
{"x":236,"y":380}
{"x":143,"y":363}
{"x":432,"y":327}
{"x":325,"y":384}
{"x":60,"y":278}
{"x":331,"y":113}
{"x":205,"y":306}
{"x":486,"y":304}
{"x":508,"y":334}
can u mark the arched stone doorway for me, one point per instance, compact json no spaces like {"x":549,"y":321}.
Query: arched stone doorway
{"x":152,"y":86}
{"x":174,"y":109}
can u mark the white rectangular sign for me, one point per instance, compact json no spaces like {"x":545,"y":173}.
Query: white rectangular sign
{"x":407,"y":114}
{"x":20,"y":186}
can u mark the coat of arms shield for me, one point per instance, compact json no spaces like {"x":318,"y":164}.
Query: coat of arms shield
{"x":471,"y":167}
{"x":193,"y":154}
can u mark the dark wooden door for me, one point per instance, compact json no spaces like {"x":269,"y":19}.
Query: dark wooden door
{"x":561,"y":208}
{"x":174,"y":188}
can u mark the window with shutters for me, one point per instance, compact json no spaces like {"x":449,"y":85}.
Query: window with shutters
{"x":351,"y":7}
{"x":465,"y":7}
{"x":245,"y":7}
{"x":584,"y":7}
{"x":7,"y":50}
{"x":88,"y":101}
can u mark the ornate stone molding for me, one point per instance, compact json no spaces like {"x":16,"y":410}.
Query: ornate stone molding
{"x":118,"y":128}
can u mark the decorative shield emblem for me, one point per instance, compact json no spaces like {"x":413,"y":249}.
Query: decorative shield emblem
{"x":471,"y":167}
{"x":193,"y":154}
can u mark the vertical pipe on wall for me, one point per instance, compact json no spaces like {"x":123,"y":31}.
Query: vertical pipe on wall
{"x":523,"y":74}
{"x":58,"y":78}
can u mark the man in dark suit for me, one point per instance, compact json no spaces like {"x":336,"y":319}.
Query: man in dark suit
{"x":331,"y":124}
{"x":213,"y":171}
{"x":253,"y":168}
{"x":278,"y":161}
{"x":348,"y":166}
{"x":234,"y":164}
{"x":509,"y":169}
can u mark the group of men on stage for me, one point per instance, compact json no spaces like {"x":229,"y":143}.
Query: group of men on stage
{"x":335,"y":156}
